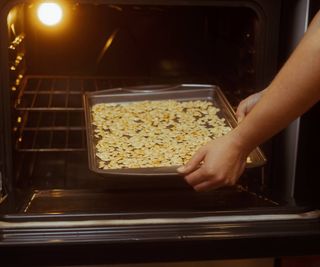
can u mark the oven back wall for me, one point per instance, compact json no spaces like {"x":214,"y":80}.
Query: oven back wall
{"x":216,"y":42}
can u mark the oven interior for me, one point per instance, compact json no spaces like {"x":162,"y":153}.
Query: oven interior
{"x":101,"y":46}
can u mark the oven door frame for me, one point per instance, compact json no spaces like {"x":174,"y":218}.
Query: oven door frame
{"x":40,"y":243}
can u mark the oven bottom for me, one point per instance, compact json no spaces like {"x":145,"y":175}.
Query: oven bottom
{"x":62,"y":183}
{"x":145,"y":201}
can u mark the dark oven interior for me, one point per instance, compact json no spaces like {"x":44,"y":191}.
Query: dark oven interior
{"x":98,"y":46}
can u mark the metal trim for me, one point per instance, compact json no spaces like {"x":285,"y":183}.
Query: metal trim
{"x":311,"y":215}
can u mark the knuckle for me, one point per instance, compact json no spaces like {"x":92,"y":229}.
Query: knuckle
{"x":221,"y":179}
{"x":188,"y":179}
{"x":207,"y":172}
{"x":198,"y":188}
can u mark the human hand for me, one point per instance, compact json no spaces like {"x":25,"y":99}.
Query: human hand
{"x":247,"y":104}
{"x":218,"y":163}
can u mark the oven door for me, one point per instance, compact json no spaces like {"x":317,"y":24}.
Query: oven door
{"x":152,"y":225}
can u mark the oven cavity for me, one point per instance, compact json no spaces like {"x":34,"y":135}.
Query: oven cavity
{"x":104,"y":46}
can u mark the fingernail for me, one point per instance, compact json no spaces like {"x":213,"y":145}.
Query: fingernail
{"x":181,"y":169}
{"x":240,"y":119}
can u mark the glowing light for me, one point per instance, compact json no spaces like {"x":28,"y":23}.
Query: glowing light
{"x":50,"y":14}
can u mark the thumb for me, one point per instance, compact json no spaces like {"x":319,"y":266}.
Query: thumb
{"x":240,"y":117}
{"x":241,"y":111}
{"x":194,"y":162}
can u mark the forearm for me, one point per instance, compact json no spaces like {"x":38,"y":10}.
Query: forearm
{"x":294,"y":90}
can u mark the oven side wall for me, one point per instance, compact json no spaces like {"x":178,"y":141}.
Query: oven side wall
{"x":294,"y":22}
{"x":12,"y":65}
{"x":5,"y":109}
{"x":307,"y":172}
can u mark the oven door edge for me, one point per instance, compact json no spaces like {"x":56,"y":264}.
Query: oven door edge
{"x":160,"y":239}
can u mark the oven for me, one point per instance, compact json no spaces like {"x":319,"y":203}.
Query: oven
{"x":51,"y":202}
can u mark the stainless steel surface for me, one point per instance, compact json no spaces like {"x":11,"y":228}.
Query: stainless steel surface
{"x":180,"y":92}
{"x":298,"y":27}
{"x":311,"y":215}
{"x":2,"y":193}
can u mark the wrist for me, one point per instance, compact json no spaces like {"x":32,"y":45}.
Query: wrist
{"x":240,"y":141}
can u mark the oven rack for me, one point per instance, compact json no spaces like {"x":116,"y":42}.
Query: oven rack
{"x":50,"y":114}
{"x":51,"y":131}
{"x":58,"y":93}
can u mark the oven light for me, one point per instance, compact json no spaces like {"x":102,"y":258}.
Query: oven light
{"x":50,"y":13}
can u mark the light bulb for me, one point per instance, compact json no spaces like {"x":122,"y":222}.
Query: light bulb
{"x":50,"y":14}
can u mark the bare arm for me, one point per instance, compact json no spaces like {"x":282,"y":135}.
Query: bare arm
{"x":293,"y":91}
{"x":247,"y":104}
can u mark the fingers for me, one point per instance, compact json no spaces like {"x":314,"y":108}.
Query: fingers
{"x":207,"y":186}
{"x":247,"y":105}
{"x":202,"y":182}
{"x":194,"y":163}
{"x":222,"y":160}
{"x":195,"y":177}
{"x":242,"y":111}
{"x":204,"y":179}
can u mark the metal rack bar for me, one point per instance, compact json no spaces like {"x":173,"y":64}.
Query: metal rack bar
{"x":50,"y":94}
{"x":67,"y":94}
{"x":67,"y":132}
{"x":96,"y":85}
{"x":34,"y":140}
{"x":36,"y":94}
{"x":51,"y":130}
